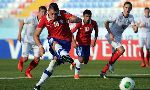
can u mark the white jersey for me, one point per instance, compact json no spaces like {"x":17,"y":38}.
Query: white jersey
{"x":118,"y":26}
{"x":30,"y":27}
{"x":120,"y":23}
{"x":145,"y":22}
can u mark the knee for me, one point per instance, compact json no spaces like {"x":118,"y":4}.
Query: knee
{"x":86,"y":61}
{"x":25,"y":59}
{"x":36,"y":59}
{"x":121,"y":49}
{"x":80,"y":59}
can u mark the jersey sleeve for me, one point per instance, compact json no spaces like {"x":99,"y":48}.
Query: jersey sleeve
{"x":132,"y":21}
{"x":112,"y":19}
{"x":77,"y":26}
{"x":67,"y":15}
{"x":41,"y":23}
{"x":28,"y":19}
{"x":96,"y":28}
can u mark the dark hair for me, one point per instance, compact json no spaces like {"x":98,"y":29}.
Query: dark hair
{"x":146,"y":8}
{"x":43,"y":8}
{"x":87,"y":12}
{"x":53,"y":6}
{"x":128,"y":3}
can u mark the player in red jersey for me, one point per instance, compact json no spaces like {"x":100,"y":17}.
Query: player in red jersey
{"x":83,"y":38}
{"x":59,"y":38}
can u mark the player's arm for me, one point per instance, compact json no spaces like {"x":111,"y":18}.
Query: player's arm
{"x":134,"y":26}
{"x":77,"y":26}
{"x":36,"y":36}
{"x":108,"y":30}
{"x":140,"y":24}
{"x":74,"y":42}
{"x":96,"y":34}
{"x":21,"y":24}
{"x":72,"y":18}
{"x":37,"y":40}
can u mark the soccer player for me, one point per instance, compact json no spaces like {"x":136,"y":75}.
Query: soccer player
{"x":119,"y":24}
{"x":144,"y":36}
{"x":83,"y":38}
{"x":28,"y":43}
{"x":59,"y":38}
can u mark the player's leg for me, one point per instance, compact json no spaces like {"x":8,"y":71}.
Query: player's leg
{"x":79,"y":51}
{"x":147,"y":57}
{"x":24,"y":57}
{"x":34,"y":62}
{"x":119,"y":50}
{"x":63,"y":51}
{"x":46,"y":74}
{"x":147,"y":50}
{"x":141,"y":44}
{"x":86,"y":54}
{"x":62,"y":48}
{"x":77,"y":67}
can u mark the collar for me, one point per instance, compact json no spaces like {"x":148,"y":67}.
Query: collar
{"x":125,"y":16}
{"x":84,"y":23}
{"x":47,"y":17}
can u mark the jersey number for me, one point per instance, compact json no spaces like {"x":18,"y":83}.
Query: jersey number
{"x":56,"y":24}
{"x":87,"y":29}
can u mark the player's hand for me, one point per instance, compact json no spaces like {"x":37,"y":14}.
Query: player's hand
{"x":75,"y":45}
{"x":19,"y":38}
{"x":93,"y":44}
{"x":112,"y":37}
{"x":42,"y":51}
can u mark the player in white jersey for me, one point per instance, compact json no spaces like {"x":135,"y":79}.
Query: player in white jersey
{"x":144,"y":36}
{"x":119,"y":24}
{"x":28,"y":43}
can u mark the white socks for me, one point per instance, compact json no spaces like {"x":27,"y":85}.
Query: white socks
{"x":77,"y":67}
{"x":47,"y":73}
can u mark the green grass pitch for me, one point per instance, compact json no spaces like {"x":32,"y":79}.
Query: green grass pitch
{"x":12,"y":79}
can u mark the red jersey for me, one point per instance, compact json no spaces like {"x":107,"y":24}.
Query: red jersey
{"x":58,"y":28}
{"x":84,"y":32}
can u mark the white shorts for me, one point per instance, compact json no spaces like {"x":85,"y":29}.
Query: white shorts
{"x":115,"y":44}
{"x":27,"y":47}
{"x":144,"y":41}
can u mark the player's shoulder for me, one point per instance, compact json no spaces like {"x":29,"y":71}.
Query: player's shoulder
{"x":131,"y":16}
{"x":93,"y":21}
{"x":32,"y":16}
{"x":62,"y":11}
{"x":44,"y":17}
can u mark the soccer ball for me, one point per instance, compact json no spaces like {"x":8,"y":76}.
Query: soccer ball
{"x":126,"y":84}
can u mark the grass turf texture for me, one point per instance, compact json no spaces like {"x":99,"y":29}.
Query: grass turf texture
{"x":89,"y":81}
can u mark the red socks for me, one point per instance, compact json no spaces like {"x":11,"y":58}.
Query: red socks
{"x":113,"y":59}
{"x":147,"y":57}
{"x":142,"y":56}
{"x":32,"y":65}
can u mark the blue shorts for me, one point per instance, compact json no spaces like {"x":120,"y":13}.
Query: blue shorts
{"x":66,"y":45}
{"x":83,"y":51}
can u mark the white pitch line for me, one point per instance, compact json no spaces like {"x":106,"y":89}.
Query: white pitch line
{"x":9,"y":78}
{"x":65,"y":76}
